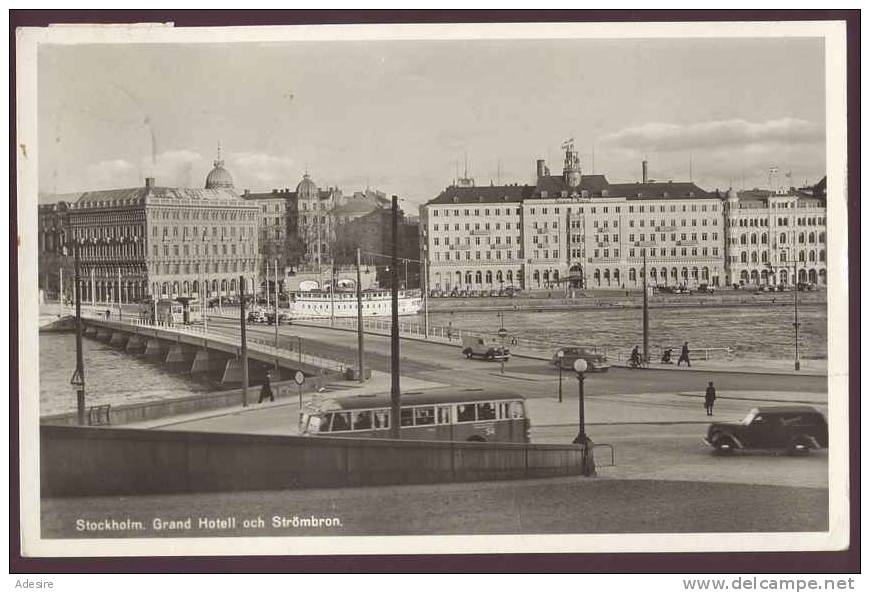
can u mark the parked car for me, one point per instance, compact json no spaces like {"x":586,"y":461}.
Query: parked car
{"x":805,"y":286}
{"x":283,"y":318}
{"x":485,"y":348}
{"x":664,"y":289}
{"x":706,"y":289}
{"x":595,"y":360}
{"x":796,"y":429}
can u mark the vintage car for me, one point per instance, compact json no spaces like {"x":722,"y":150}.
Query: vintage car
{"x":796,"y":429}
{"x":486,"y":348}
{"x":595,"y":360}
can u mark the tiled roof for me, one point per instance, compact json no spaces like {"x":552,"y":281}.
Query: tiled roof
{"x":114,"y":197}
{"x":47,"y":198}
{"x":484,"y":194}
{"x":658,"y":190}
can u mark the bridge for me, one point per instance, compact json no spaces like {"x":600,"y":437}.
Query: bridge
{"x":194,"y":350}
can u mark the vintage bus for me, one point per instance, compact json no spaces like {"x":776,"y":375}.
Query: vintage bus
{"x":444,"y":414}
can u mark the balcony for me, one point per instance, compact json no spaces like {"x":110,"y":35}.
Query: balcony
{"x":481,"y":232}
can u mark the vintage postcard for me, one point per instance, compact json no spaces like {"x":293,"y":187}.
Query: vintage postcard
{"x":376,"y":289}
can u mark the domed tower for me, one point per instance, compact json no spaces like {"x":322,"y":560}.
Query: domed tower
{"x":314,"y":221}
{"x":219,"y":178}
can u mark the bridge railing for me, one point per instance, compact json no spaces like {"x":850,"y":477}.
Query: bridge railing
{"x":451,"y":335}
{"x":259,"y":345}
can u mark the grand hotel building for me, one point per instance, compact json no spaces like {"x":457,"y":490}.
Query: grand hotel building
{"x":163,"y":242}
{"x":583,"y":231}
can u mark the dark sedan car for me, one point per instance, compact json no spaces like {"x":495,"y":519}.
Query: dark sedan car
{"x":796,"y":429}
{"x":595,"y":360}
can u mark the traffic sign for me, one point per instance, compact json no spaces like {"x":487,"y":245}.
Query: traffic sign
{"x":502,"y":332}
{"x":299,"y":377}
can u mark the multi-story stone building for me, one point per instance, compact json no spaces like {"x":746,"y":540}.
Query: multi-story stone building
{"x":573,"y":229}
{"x":165,"y":242}
{"x":773,"y":234}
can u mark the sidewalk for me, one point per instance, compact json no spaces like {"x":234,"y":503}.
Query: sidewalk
{"x":659,"y":408}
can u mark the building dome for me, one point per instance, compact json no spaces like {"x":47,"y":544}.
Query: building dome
{"x":306,"y":189}
{"x":219,"y":178}
{"x":731,"y":195}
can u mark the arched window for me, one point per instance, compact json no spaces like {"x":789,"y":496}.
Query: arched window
{"x":165,"y":288}
{"x":743,"y":239}
{"x":632,"y":275}
{"x":802,"y":256}
{"x":685,"y":273}
{"x":782,"y":256}
{"x":185,"y":288}
{"x":821,"y":255}
{"x":742,"y":257}
{"x":499,"y":277}
{"x":674,"y":273}
{"x":801,"y":237}
{"x":764,"y":238}
{"x":174,"y":288}
{"x":821,"y":237}
{"x":510,"y":276}
{"x":694,"y":273}
{"x":811,"y":238}
{"x":489,"y":277}
{"x":652,"y":273}
{"x":764,"y":257}
{"x":754,"y":257}
{"x":468,"y":278}
{"x":753,"y":238}
{"x":812,"y":255}
{"x":782,"y":239}
{"x":233,"y":285}
{"x":705,"y":273}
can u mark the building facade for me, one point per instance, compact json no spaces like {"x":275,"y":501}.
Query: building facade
{"x":777,"y":237}
{"x":165,"y":242}
{"x":575,"y":230}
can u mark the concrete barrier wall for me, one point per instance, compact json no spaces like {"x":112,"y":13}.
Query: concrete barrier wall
{"x":129,"y":413}
{"x":82,"y":461}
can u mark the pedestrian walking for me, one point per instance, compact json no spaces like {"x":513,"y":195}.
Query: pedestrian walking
{"x":684,"y":355}
{"x":710,"y":398}
{"x":266,"y":389}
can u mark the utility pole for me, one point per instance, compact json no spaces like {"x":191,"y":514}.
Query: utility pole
{"x":425,"y":274}
{"x":120,"y":313}
{"x":645,"y":312}
{"x":395,"y":393}
{"x":332,"y":296}
{"x":277,"y":319}
{"x":244,"y":342}
{"x":797,"y":360}
{"x":78,"y":378}
{"x":60,"y":289}
{"x":359,"y":318}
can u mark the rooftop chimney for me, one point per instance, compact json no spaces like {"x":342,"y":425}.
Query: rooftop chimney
{"x":149,"y":183}
{"x":645,"y":171}
{"x":542,"y":168}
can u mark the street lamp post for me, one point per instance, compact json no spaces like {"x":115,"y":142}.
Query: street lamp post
{"x":559,"y":356}
{"x":796,"y":324}
{"x":588,"y":461}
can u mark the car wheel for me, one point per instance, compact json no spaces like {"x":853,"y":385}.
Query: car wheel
{"x":800,"y":445}
{"x":468,"y":354}
{"x":476,"y":439}
{"x":724,"y":445}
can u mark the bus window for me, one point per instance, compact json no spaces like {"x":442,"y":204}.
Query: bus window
{"x":444,"y":415}
{"x":503,"y":411}
{"x":407,"y":418}
{"x":362,"y":420}
{"x":517,"y":410}
{"x":340,"y":421}
{"x":423,"y":416}
{"x":486,"y":411}
{"x":465,"y":413}
{"x":324,"y":422}
{"x":382,"y":419}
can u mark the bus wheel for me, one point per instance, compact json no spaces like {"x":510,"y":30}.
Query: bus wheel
{"x":476,"y":439}
{"x":468,"y":354}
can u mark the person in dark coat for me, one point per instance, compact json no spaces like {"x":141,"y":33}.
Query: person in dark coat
{"x":684,"y":355}
{"x":710,"y":398}
{"x":266,"y":389}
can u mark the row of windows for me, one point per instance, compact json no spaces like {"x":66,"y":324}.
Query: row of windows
{"x":187,"y":232}
{"x":209,"y":214}
{"x":753,"y":257}
{"x":185,"y":249}
{"x":508,"y":254}
{"x":581,"y":210}
{"x":753,"y":239}
{"x":205,"y":268}
{"x":489,"y":240}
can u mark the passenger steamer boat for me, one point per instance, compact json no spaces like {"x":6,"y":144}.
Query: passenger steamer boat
{"x":376,"y":303}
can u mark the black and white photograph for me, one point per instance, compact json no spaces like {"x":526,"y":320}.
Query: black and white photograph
{"x":559,"y":287}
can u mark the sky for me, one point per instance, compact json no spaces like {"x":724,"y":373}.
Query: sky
{"x":405,"y":116}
